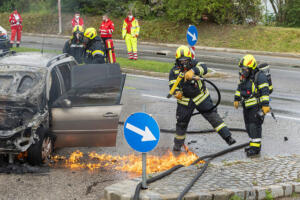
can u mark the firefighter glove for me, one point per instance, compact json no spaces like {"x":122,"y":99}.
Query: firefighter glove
{"x":189,"y":75}
{"x":265,"y":109}
{"x":236,"y":104}
{"x":178,"y":95}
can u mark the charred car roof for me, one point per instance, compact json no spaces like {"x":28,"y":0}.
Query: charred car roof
{"x":32,"y":59}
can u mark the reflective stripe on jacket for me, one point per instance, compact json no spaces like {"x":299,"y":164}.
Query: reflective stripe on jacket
{"x":252,"y":94}
{"x":106,"y":29}
{"x":199,"y":94}
{"x":134,"y":30}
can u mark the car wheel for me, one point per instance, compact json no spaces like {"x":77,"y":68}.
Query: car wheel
{"x":40,"y":152}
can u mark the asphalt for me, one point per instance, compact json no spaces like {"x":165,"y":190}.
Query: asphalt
{"x":144,"y":92}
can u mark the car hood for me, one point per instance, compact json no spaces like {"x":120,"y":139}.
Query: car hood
{"x":21,"y":83}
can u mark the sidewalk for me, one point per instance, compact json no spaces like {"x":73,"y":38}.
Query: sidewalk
{"x":279,"y":176}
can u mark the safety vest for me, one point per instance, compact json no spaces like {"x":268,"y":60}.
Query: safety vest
{"x":134,"y":30}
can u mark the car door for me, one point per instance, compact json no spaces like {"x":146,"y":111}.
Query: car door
{"x":87,"y":113}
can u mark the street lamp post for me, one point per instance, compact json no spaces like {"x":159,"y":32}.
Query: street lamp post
{"x":59,"y":17}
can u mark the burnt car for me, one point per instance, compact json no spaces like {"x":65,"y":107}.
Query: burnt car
{"x":52,"y":102}
{"x":4,"y":41}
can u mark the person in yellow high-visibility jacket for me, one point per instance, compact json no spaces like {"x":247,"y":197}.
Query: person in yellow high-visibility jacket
{"x":130,"y":33}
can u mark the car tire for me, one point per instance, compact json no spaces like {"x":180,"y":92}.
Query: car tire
{"x":40,"y":152}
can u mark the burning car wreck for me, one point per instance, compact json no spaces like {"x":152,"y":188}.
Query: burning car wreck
{"x":51,"y":102}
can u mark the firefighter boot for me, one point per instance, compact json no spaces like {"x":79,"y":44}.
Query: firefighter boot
{"x":253,"y":152}
{"x":230,"y":141}
{"x":177,"y":147}
{"x":247,"y":148}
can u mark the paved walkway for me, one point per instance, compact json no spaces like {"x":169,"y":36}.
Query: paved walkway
{"x":248,"y":179}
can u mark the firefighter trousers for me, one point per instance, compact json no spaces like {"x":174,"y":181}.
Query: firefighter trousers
{"x":253,"y":124}
{"x":131,"y":43}
{"x":184,"y":114}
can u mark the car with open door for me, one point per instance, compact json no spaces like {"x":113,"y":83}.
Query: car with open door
{"x":53,"y":102}
{"x":4,"y":41}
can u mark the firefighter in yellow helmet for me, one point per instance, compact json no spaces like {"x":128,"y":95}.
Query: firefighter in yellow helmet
{"x":130,"y":33}
{"x":74,"y":46}
{"x":192,"y":94}
{"x":94,"y":48}
{"x":253,"y":93}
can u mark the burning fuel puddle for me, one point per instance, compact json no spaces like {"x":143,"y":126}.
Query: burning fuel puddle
{"x":129,"y":164}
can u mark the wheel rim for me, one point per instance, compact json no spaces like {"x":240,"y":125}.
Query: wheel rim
{"x":46,"y":149}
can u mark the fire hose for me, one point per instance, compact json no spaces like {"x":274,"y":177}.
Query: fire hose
{"x":206,"y":158}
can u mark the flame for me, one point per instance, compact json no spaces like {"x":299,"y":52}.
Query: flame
{"x":130,"y":163}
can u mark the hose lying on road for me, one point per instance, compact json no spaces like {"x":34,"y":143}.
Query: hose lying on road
{"x":199,"y":174}
{"x":210,"y":158}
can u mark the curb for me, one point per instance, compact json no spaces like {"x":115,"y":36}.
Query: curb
{"x":125,"y":190}
{"x":214,"y":49}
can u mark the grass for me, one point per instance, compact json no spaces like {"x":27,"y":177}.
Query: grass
{"x":262,"y":38}
{"x":147,"y":65}
{"x":25,"y":49}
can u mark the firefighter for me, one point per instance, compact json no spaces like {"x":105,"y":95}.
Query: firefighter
{"x":192,"y":94}
{"x":94,"y":49}
{"x":253,"y":93}
{"x":106,"y":28}
{"x":77,"y":20}
{"x":15,"y":21}
{"x":130,"y":33}
{"x":74,"y":46}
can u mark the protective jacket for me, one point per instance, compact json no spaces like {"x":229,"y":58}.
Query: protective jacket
{"x":95,"y":51}
{"x":75,"y":48}
{"x":106,"y":29}
{"x":192,"y":90}
{"x":76,"y":22}
{"x":130,"y":27}
{"x":15,"y":19}
{"x":253,"y":92}
{"x":195,"y":96}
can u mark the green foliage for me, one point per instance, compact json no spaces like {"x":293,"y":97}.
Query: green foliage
{"x":235,"y":197}
{"x":190,"y":11}
{"x":269,"y":195}
{"x":293,"y":13}
{"x":219,"y":11}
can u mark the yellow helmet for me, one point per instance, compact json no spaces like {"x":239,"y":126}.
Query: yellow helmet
{"x":90,"y":33}
{"x":78,"y":28}
{"x":248,"y":61}
{"x":183,"y":52}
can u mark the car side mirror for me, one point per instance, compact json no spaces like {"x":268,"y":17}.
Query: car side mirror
{"x":66,"y":103}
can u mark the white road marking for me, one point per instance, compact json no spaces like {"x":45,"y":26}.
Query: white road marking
{"x":287,"y":117}
{"x":148,"y":77}
{"x":158,"y":97}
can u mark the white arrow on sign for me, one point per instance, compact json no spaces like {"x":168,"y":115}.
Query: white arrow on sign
{"x":147,"y":134}
{"x":192,"y":35}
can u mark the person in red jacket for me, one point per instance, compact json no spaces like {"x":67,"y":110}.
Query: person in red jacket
{"x":106,"y":28}
{"x":77,"y":20}
{"x":15,"y":21}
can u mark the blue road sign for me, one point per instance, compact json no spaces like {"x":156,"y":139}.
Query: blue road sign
{"x":141,"y":132}
{"x":192,"y":35}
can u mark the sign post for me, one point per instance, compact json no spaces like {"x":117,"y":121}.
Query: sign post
{"x":192,"y":37}
{"x":142,"y":133}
